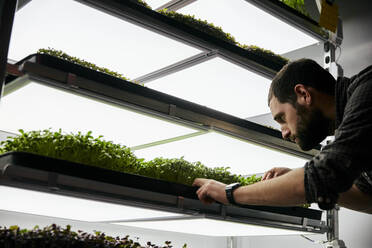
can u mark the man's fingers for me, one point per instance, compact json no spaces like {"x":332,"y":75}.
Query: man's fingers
{"x":203,"y":196}
{"x":266,"y":176}
{"x":199,"y":182}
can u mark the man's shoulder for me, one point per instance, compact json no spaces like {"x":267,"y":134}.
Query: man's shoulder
{"x":362,"y":77}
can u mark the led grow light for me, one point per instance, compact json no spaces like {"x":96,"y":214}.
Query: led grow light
{"x":54,"y":205}
{"x":249,"y":24}
{"x":211,"y":227}
{"x":214,"y":149}
{"x":38,"y":107}
{"x":156,"y":3}
{"x":94,"y":36}
{"x":219,"y":85}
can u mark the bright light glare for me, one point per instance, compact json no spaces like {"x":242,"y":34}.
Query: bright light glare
{"x":156,"y":3}
{"x":53,"y":205}
{"x":38,"y":107}
{"x":94,"y":36}
{"x":211,"y":228}
{"x":219,"y":85}
{"x":214,"y":149}
{"x":249,"y":24}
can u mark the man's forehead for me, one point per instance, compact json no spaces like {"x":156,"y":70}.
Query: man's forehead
{"x":274,"y":105}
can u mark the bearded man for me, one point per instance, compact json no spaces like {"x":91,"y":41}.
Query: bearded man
{"x":309,"y":104}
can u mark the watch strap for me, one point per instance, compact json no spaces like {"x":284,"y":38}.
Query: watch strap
{"x":229,"y":192}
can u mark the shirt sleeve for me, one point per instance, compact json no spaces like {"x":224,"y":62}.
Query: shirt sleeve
{"x":335,"y":168}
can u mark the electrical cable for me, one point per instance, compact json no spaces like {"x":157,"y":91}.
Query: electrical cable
{"x":339,"y":55}
{"x":321,"y":243}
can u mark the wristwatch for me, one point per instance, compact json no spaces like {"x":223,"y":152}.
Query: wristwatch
{"x":229,"y":192}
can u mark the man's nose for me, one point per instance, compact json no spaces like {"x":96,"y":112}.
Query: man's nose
{"x":285,"y":133}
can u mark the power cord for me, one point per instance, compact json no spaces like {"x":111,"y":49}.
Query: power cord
{"x":321,"y":243}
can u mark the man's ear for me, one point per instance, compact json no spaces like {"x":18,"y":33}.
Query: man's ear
{"x":303,"y":94}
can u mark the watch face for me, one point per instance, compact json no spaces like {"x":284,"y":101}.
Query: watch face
{"x":233,"y":185}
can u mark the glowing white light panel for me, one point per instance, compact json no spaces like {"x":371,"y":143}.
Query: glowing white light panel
{"x":214,"y":149}
{"x":53,"y":205}
{"x":156,"y":3}
{"x":249,"y":24}
{"x":37,"y":107}
{"x":219,"y":85}
{"x":212,"y":228}
{"x":94,"y":36}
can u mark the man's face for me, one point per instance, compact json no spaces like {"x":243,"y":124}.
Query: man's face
{"x":303,"y":125}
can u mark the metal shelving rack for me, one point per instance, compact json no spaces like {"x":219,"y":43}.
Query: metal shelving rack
{"x":168,"y":107}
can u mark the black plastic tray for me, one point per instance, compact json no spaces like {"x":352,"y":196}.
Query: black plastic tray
{"x":82,"y":171}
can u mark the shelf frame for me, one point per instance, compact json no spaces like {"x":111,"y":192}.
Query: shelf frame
{"x":7,"y":12}
{"x":60,"y":73}
{"x":34,"y":172}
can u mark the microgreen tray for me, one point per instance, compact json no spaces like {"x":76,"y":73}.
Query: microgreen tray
{"x":63,"y":167}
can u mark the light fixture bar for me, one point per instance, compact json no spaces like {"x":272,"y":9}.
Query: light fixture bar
{"x":181,"y":65}
{"x":174,"y":5}
{"x":161,"y":142}
{"x":165,"y":218}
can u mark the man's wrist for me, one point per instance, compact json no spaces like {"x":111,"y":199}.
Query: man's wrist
{"x":229,"y":189}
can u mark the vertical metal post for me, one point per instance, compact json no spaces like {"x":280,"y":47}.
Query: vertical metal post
{"x":330,"y":47}
{"x":332,"y":223}
{"x":232,"y":242}
{"x":330,"y":64}
{"x":7,"y":11}
{"x":333,"y":240}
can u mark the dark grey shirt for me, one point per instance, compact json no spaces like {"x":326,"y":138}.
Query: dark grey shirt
{"x":347,"y":160}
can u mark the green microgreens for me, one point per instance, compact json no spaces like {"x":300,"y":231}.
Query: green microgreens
{"x":85,"y":149}
{"x":217,"y":32}
{"x":199,"y":24}
{"x":298,"y":5}
{"x":142,"y":3}
{"x":75,"y":60}
{"x":54,"y":236}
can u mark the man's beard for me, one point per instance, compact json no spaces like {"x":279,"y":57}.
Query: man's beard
{"x":312,"y":127}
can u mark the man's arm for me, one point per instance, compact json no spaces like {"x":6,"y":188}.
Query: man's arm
{"x":356,"y":200}
{"x":353,"y":199}
{"x":286,"y":190}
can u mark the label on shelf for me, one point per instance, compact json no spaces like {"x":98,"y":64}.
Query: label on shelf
{"x":329,"y":16}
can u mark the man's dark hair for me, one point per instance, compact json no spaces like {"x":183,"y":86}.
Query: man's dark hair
{"x":302,"y":71}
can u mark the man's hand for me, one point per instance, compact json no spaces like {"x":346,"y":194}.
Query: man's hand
{"x":210,"y":191}
{"x":275,"y":172}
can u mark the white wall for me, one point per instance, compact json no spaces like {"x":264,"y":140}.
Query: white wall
{"x":355,"y":228}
